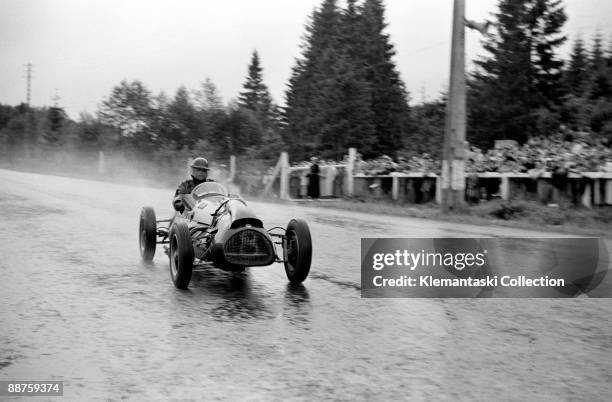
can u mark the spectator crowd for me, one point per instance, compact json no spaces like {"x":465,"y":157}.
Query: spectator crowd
{"x":544,"y":154}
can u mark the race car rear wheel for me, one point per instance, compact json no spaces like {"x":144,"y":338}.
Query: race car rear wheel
{"x":147,"y":233}
{"x":181,"y":255}
{"x":297,"y":250}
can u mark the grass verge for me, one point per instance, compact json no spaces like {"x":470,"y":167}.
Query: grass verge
{"x":528,"y":215}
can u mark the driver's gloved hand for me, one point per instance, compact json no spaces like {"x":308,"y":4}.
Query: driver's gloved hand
{"x":178,"y":205}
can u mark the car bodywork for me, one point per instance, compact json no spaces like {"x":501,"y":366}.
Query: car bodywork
{"x":217,"y":229}
{"x":225,"y":231}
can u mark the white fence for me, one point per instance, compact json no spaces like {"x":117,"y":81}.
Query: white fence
{"x":596,"y":186}
{"x":339,"y":180}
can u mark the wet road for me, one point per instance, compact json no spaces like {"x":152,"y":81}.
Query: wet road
{"x":79,"y":306}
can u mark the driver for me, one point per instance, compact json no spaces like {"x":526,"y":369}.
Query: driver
{"x":198,"y":168}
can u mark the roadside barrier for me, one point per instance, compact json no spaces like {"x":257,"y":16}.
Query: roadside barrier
{"x":338,"y":180}
{"x":588,"y":188}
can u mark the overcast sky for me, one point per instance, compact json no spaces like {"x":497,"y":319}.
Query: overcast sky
{"x":82,"y":48}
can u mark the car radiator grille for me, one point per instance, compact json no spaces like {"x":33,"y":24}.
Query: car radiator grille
{"x":248,"y":247}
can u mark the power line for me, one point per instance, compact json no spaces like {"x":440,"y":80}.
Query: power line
{"x":29,"y":83}
{"x":56,"y":98}
{"x":423,"y":93}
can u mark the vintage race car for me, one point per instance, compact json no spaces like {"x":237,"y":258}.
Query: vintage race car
{"x":219,"y":230}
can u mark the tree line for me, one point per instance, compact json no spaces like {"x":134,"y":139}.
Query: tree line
{"x":345,"y":91}
{"x":522,"y":88}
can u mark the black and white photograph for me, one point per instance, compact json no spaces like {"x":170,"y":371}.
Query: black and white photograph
{"x":309,"y":200}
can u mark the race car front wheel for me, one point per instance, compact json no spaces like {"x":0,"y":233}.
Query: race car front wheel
{"x":147,"y":233}
{"x":297,"y":250}
{"x":181,"y":255}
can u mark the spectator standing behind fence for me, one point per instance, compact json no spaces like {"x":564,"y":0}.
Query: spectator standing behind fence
{"x":559,"y":183}
{"x":303,"y":184}
{"x":313,"y":178}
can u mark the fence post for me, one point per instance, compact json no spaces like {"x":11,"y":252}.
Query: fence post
{"x":597,"y":192}
{"x":438,"y":190}
{"x":504,"y":187}
{"x":395,"y":188}
{"x":272,"y":177}
{"x":284,"y":176}
{"x":350,"y":170}
{"x":232,"y":170}
{"x":101,"y":163}
{"x":586,"y":196}
{"x":330,"y":175}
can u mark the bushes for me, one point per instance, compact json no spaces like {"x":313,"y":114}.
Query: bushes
{"x":538,"y":214}
{"x":508,"y":211}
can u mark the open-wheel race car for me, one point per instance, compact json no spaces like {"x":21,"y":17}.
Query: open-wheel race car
{"x":219,"y":230}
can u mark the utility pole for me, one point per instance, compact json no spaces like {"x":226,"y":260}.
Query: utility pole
{"x":29,"y":83}
{"x":29,"y":135}
{"x":423,"y":93}
{"x":453,"y":163}
{"x":56,"y":98}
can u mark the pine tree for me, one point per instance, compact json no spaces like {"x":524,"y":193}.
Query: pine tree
{"x":212,"y":113}
{"x":255,"y":95}
{"x":545,"y":20}
{"x":575,"y":75}
{"x":345,"y":91}
{"x":516,"y":90}
{"x":589,"y":74}
{"x":596,"y":59}
{"x":208,"y":98}
{"x":91,"y":134}
{"x":609,"y":54}
{"x":56,"y":116}
{"x":600,"y":90}
{"x":600,"y":79}
{"x":56,"y":120}
{"x":574,"y":110}
{"x":500,"y":90}
{"x":427,"y":129}
{"x":313,"y":91}
{"x":346,"y":116}
{"x":241,"y":130}
{"x":389,"y":103}
{"x":184,"y":120}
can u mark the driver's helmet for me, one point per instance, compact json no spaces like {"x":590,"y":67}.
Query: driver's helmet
{"x":199,"y":168}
